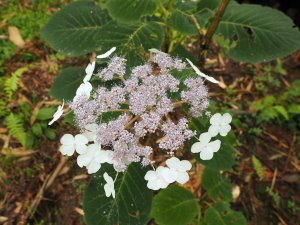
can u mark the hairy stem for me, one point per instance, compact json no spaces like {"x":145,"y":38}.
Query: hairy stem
{"x":211,"y":30}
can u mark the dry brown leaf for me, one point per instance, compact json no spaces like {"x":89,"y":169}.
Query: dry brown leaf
{"x":3,"y":219}
{"x":15,"y":36}
{"x":79,"y":211}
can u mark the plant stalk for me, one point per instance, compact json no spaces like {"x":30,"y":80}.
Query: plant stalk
{"x":204,"y":46}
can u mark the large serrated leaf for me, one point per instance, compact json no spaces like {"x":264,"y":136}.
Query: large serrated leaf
{"x":76,"y":29}
{"x":216,"y":185}
{"x":130,"y":10}
{"x":174,"y":205}
{"x":66,"y":83}
{"x":131,"y":204}
{"x":133,"y":41}
{"x":261,"y":33}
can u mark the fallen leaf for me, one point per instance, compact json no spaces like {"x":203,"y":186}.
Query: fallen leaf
{"x":15,"y":36}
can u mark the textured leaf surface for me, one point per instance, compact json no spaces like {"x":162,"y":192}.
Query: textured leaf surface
{"x":76,"y":29}
{"x":261,"y":33}
{"x":221,"y":214}
{"x":133,"y":41}
{"x":174,"y":205}
{"x":66,"y":83}
{"x":216,"y":185}
{"x":130,"y":10}
{"x":131,"y":205}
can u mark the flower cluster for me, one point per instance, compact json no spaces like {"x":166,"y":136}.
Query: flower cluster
{"x":136,"y":114}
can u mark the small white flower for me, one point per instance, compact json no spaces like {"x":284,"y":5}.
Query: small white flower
{"x":109,"y":187}
{"x":93,"y":157}
{"x":155,"y":178}
{"x":205,"y":147}
{"x":178,"y":170}
{"x":83,"y":89}
{"x":71,"y":143}
{"x":220,"y":124}
{"x":58,"y":113}
{"x":89,"y":71}
{"x":107,"y":54}
{"x":211,"y":79}
{"x":91,"y":131}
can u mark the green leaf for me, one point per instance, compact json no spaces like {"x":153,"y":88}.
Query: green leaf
{"x":46,"y":113}
{"x":174,"y":205}
{"x":182,"y":22}
{"x":50,"y":134}
{"x":133,"y":41}
{"x":130,"y":10}
{"x":15,"y":126}
{"x":258,"y":167}
{"x":294,"y":108}
{"x":66,"y":83}
{"x":261,"y":33}
{"x":221,"y":214}
{"x":76,"y":29}
{"x":37,"y":129}
{"x":132,"y":202}
{"x":216,"y":185}
{"x":282,"y":111}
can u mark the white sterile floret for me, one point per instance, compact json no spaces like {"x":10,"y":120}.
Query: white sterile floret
{"x":58,"y":113}
{"x":109,"y":187}
{"x":94,"y":157}
{"x":178,"y":170}
{"x":220,"y":124}
{"x":155,"y":178}
{"x":107,"y":54}
{"x":91,"y":131}
{"x":84,"y":89}
{"x":205,"y":147}
{"x":71,"y":143}
{"x":211,"y":79}
{"x":89,"y":71}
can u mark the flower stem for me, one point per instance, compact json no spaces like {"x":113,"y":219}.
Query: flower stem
{"x":211,"y":30}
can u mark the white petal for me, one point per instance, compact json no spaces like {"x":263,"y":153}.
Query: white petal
{"x":52,"y":121}
{"x":211,"y":79}
{"x":107,"y":54}
{"x":101,"y":156}
{"x":196,"y":147}
{"x":150,"y":175}
{"x":183,"y":177}
{"x":216,"y":119}
{"x":67,"y":150}
{"x":185,"y":165}
{"x":93,"y":167}
{"x":81,"y":139}
{"x":213,"y":130}
{"x":90,"y":68}
{"x":153,"y":185}
{"x":67,"y":139}
{"x":107,"y":190}
{"x":83,"y":160}
{"x":205,"y":138}
{"x":206,"y":154}
{"x":214,"y":145}
{"x":169,"y":175}
{"x":226,"y":118}
{"x":163,"y":183}
{"x":173,"y":163}
{"x":91,"y":127}
{"x":113,"y":193}
{"x":81,"y":149}
{"x":224,"y":129}
{"x":108,"y":178}
{"x":56,"y":115}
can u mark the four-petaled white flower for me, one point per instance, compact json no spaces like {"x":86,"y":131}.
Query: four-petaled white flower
{"x":91,"y":131}
{"x":205,"y":147}
{"x":220,"y":124}
{"x":58,"y":113}
{"x":71,"y":143}
{"x":211,"y":79}
{"x":109,"y":187}
{"x":84,"y":89}
{"x":155,"y":178}
{"x":93,"y":157}
{"x":177,"y":170}
{"x":89,"y":71}
{"x":107,"y":54}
